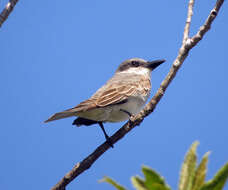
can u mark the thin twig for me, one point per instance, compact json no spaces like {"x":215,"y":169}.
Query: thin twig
{"x":188,"y":21}
{"x":7,"y":10}
{"x":207,"y":25}
{"x":187,"y":45}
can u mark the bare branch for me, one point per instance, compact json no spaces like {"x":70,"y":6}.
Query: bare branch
{"x":7,"y":10}
{"x":187,"y":45}
{"x":188,"y":21}
{"x":207,"y":25}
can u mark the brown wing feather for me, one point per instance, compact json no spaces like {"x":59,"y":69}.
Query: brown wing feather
{"x":84,"y":106}
{"x":106,"y":98}
{"x":115,"y":95}
{"x":113,"y":92}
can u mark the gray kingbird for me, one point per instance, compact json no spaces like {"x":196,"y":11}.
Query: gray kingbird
{"x":123,"y":96}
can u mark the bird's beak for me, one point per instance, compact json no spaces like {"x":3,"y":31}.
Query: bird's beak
{"x":153,"y":64}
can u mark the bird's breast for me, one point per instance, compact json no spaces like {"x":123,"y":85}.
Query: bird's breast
{"x":133,"y":106}
{"x":134,"y":103}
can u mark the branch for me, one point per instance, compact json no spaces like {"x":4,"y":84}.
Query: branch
{"x":187,"y":45}
{"x":7,"y":10}
{"x":188,"y":21}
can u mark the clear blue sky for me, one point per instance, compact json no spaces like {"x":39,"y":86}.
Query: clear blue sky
{"x":54,"y":54}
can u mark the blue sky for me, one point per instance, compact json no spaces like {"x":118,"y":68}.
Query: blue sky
{"x":55,"y":54}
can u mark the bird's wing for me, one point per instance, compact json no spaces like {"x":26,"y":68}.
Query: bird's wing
{"x":118,"y":89}
{"x":115,"y":91}
{"x":84,"y":106}
{"x":116,"y":95}
{"x":106,"y":96}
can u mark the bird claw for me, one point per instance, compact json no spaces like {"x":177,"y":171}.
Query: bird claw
{"x":108,"y":140}
{"x":132,"y":118}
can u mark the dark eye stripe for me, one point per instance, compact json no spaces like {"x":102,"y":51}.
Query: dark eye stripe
{"x":135,"y":63}
{"x":129,"y":63}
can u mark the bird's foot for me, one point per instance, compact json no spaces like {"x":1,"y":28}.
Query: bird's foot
{"x":131,"y":119}
{"x":109,"y":141}
{"x":128,"y":113}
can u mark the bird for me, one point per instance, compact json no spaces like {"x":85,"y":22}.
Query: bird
{"x":119,"y":99}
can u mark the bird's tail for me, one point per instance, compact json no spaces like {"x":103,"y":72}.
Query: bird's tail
{"x":60,"y":115}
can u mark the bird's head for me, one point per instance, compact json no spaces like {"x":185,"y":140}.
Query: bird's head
{"x":140,"y":66}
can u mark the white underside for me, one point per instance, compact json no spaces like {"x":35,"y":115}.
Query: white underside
{"x":113,"y":113}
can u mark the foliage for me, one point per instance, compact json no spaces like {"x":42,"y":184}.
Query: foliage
{"x":112,"y":182}
{"x":192,"y":176}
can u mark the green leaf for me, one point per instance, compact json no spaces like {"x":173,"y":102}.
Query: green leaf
{"x":188,"y":168}
{"x":219,"y":180}
{"x":158,"y":187}
{"x":200,"y":173}
{"x":112,"y":182}
{"x":138,"y":183}
{"x":153,"y":180}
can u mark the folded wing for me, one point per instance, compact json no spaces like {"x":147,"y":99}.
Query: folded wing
{"x":108,"y":95}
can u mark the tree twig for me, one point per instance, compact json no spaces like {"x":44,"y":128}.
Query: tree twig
{"x":188,"y":21}
{"x":187,"y":45}
{"x":7,"y":10}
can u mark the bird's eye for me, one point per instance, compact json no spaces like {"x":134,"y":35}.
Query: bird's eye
{"x":135,"y":63}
